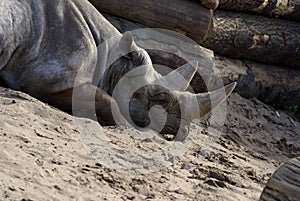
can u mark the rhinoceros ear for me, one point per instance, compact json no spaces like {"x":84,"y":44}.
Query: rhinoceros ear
{"x":127,"y":43}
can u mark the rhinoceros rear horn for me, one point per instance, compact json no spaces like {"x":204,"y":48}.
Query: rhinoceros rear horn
{"x":179,"y":79}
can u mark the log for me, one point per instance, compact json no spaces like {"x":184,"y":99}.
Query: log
{"x":277,"y":8}
{"x":269,"y":83}
{"x":273,"y":41}
{"x":284,"y":185}
{"x":184,"y":16}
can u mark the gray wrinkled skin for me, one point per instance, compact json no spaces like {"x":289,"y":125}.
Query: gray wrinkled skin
{"x":44,"y":44}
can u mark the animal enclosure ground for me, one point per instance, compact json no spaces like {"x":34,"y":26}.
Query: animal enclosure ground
{"x":43,"y":158}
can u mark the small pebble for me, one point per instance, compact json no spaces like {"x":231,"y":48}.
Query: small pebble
{"x":292,"y":121}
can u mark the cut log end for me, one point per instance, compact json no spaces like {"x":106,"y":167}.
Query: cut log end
{"x":284,"y":185}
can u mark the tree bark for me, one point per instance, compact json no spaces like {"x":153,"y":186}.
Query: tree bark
{"x":259,"y":38}
{"x":269,"y":83}
{"x":184,"y":16}
{"x":285,"y":9}
{"x":284,"y":185}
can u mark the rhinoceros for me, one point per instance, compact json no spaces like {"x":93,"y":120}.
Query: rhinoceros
{"x":44,"y":44}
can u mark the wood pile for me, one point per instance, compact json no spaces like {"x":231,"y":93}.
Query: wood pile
{"x":258,"y":33}
{"x":265,"y":36}
{"x":259,"y":38}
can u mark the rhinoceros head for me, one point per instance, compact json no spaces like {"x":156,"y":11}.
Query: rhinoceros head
{"x":148,"y":99}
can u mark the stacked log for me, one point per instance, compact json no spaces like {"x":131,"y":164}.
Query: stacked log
{"x":190,"y":18}
{"x":269,"y":83}
{"x":263,"y":39}
{"x":276,"y":8}
{"x":268,"y":33}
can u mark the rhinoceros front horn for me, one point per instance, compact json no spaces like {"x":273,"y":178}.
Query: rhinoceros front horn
{"x":196,"y":106}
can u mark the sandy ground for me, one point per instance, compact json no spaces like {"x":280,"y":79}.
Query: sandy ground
{"x":43,"y":157}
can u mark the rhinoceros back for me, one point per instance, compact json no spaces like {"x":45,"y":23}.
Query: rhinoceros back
{"x":44,"y":43}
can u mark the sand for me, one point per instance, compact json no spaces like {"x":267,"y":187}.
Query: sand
{"x":46,"y":154}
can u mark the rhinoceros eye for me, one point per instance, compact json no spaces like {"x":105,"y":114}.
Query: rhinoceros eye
{"x":127,"y":56}
{"x":161,"y":99}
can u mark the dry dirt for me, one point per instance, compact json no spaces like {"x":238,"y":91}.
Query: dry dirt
{"x":43,"y":157}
